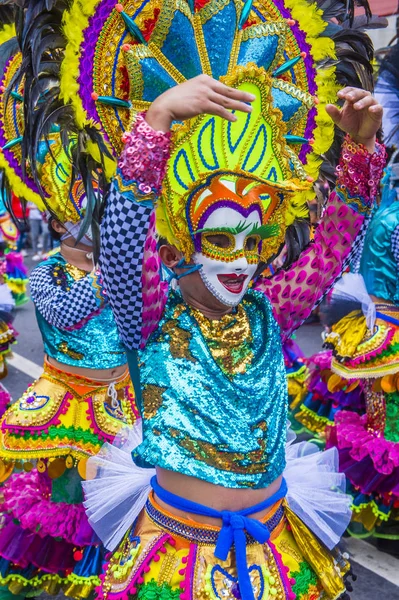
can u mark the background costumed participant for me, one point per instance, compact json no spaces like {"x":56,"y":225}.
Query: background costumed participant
{"x":365,"y":362}
{"x":7,"y":336}
{"x":353,"y":391}
{"x":214,"y":397}
{"x":16,"y":274}
{"x":82,"y":399}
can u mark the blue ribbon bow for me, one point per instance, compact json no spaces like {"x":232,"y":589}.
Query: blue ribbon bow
{"x":232,"y":532}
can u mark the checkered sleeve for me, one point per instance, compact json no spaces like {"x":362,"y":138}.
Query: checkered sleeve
{"x":124,"y":231}
{"x":65,"y":307}
{"x":395,"y":245}
{"x":129,"y":256}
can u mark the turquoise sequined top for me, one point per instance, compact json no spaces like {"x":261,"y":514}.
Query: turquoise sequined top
{"x":379,"y":262}
{"x":214,"y":395}
{"x":74,"y":316}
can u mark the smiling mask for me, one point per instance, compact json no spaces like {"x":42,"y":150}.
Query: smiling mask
{"x":233,"y":230}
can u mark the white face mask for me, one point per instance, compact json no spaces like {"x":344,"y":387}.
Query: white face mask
{"x":73,"y":232}
{"x":228,"y":279}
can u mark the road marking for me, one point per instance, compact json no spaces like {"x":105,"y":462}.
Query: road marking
{"x":374,"y":560}
{"x":25,"y":365}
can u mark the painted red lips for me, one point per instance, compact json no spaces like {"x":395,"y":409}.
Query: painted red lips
{"x":232,"y":282}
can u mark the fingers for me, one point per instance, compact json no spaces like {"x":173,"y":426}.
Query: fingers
{"x":334,"y":113}
{"x":220,"y":111}
{"x":360,"y":99}
{"x":376,"y":112}
{"x":229,"y":103}
{"x":353,"y":95}
{"x":231,"y":93}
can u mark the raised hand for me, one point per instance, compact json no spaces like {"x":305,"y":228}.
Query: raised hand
{"x":360,"y":116}
{"x":194,"y":97}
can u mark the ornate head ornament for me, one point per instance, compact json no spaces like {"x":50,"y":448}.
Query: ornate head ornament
{"x":127,"y":54}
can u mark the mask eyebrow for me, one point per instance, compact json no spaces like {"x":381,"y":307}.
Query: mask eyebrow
{"x":265,"y":231}
{"x":242,"y":226}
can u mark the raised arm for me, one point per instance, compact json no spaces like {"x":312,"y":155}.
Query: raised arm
{"x":129,"y":258}
{"x":296,"y":291}
{"x":63,"y":306}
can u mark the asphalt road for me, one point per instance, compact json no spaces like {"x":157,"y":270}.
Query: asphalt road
{"x":378,"y":573}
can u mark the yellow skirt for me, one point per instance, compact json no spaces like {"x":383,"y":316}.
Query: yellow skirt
{"x":168,"y":557}
{"x":63,"y":415}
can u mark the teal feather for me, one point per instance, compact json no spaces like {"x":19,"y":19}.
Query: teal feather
{"x":287,"y":66}
{"x":296,"y":139}
{"x":133,"y":28}
{"x":246,"y":9}
{"x":12,"y":143}
{"x":16,"y":96}
{"x":191,"y":4}
{"x":112,"y":101}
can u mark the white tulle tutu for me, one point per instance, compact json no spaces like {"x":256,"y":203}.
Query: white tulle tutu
{"x":7,"y":302}
{"x":118,"y":489}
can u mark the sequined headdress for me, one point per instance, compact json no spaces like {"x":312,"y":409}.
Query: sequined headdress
{"x":117,"y":58}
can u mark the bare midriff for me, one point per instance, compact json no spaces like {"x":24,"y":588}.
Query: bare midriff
{"x":106,"y":375}
{"x":377,"y":300}
{"x":211,"y":495}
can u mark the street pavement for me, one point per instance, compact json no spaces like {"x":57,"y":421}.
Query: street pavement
{"x":378,"y":573}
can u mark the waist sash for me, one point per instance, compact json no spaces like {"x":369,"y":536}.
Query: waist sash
{"x":232,"y":532}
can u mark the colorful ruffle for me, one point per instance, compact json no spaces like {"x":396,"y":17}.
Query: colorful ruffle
{"x":326,"y":397}
{"x":45,"y":545}
{"x":361,"y":355}
{"x":31,"y":581}
{"x":371,"y":465}
{"x":27,"y":499}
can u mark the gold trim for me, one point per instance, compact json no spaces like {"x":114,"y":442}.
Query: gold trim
{"x":203,"y":53}
{"x":234,"y":51}
{"x":214,"y":7}
{"x":132,"y":62}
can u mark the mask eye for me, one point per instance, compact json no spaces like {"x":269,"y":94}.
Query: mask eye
{"x":220,"y":240}
{"x":251,"y":243}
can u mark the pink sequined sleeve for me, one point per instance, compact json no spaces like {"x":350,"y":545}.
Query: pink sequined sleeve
{"x":296,"y":291}
{"x":130,"y":263}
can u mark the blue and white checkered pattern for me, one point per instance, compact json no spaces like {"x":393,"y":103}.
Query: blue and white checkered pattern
{"x":123,"y":234}
{"x":60,"y":307}
{"x":395,"y":244}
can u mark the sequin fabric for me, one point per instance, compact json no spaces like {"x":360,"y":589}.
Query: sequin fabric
{"x":211,"y":416}
{"x":378,"y":264}
{"x":93,"y":342}
{"x":144,"y":156}
{"x":360,"y":171}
